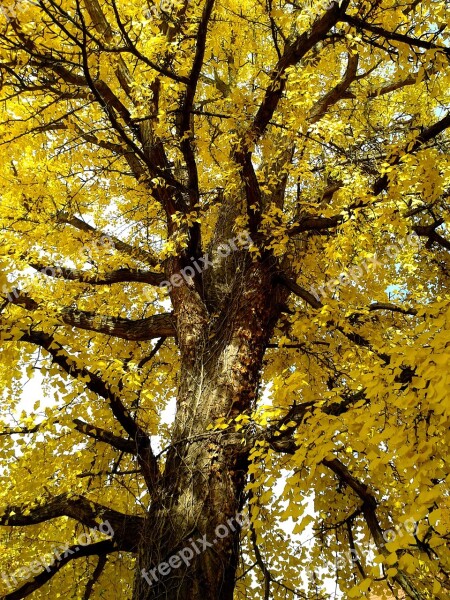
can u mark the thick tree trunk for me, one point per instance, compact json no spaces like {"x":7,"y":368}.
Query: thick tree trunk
{"x":190,"y":545}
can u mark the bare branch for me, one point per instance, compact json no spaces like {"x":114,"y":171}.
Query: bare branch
{"x":102,"y":435}
{"x":102,"y":559}
{"x":88,"y":277}
{"x":140,"y":330}
{"x":86,"y":511}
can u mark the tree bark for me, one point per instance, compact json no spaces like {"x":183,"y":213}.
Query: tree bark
{"x":196,"y":503}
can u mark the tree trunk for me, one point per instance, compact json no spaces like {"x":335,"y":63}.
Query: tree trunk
{"x":196,"y":504}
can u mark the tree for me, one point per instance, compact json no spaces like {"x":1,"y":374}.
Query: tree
{"x":243,"y":206}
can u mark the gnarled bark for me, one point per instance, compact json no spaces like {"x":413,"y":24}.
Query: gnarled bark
{"x":200,"y":492}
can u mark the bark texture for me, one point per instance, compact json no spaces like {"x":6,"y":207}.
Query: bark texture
{"x":200,"y":491}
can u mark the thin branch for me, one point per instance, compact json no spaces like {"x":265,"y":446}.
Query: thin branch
{"x":391,"y":35}
{"x":102,"y":435}
{"x":101,"y":564}
{"x":152,"y":354}
{"x":369,"y":505}
{"x":72,"y":553}
{"x":392,"y":307}
{"x":262,"y":565}
{"x":97,"y":433}
{"x":139,"y":253}
{"x":353,"y":336}
{"x":103,"y":473}
{"x":320,"y":109}
{"x":95,"y":384}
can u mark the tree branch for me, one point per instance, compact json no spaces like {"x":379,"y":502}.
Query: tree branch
{"x":318,"y":223}
{"x":429,"y":231}
{"x":293,"y":53}
{"x":128,"y":154}
{"x":186,"y":122}
{"x":93,"y":382}
{"x":134,"y":330}
{"x":425,"y":136}
{"x":391,"y":35}
{"x":102,"y":435}
{"x":392,"y":307}
{"x":72,"y":553}
{"x":119,"y":245}
{"x":102,"y":559}
{"x":353,"y":336}
{"x":97,"y":433}
{"x":102,"y":26}
{"x":369,"y":505}
{"x":321,"y":107}
{"x":139,"y":330}
{"x":411,"y":79}
{"x":126,"y":527}
{"x":88,"y":277}
{"x":281,"y":437}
